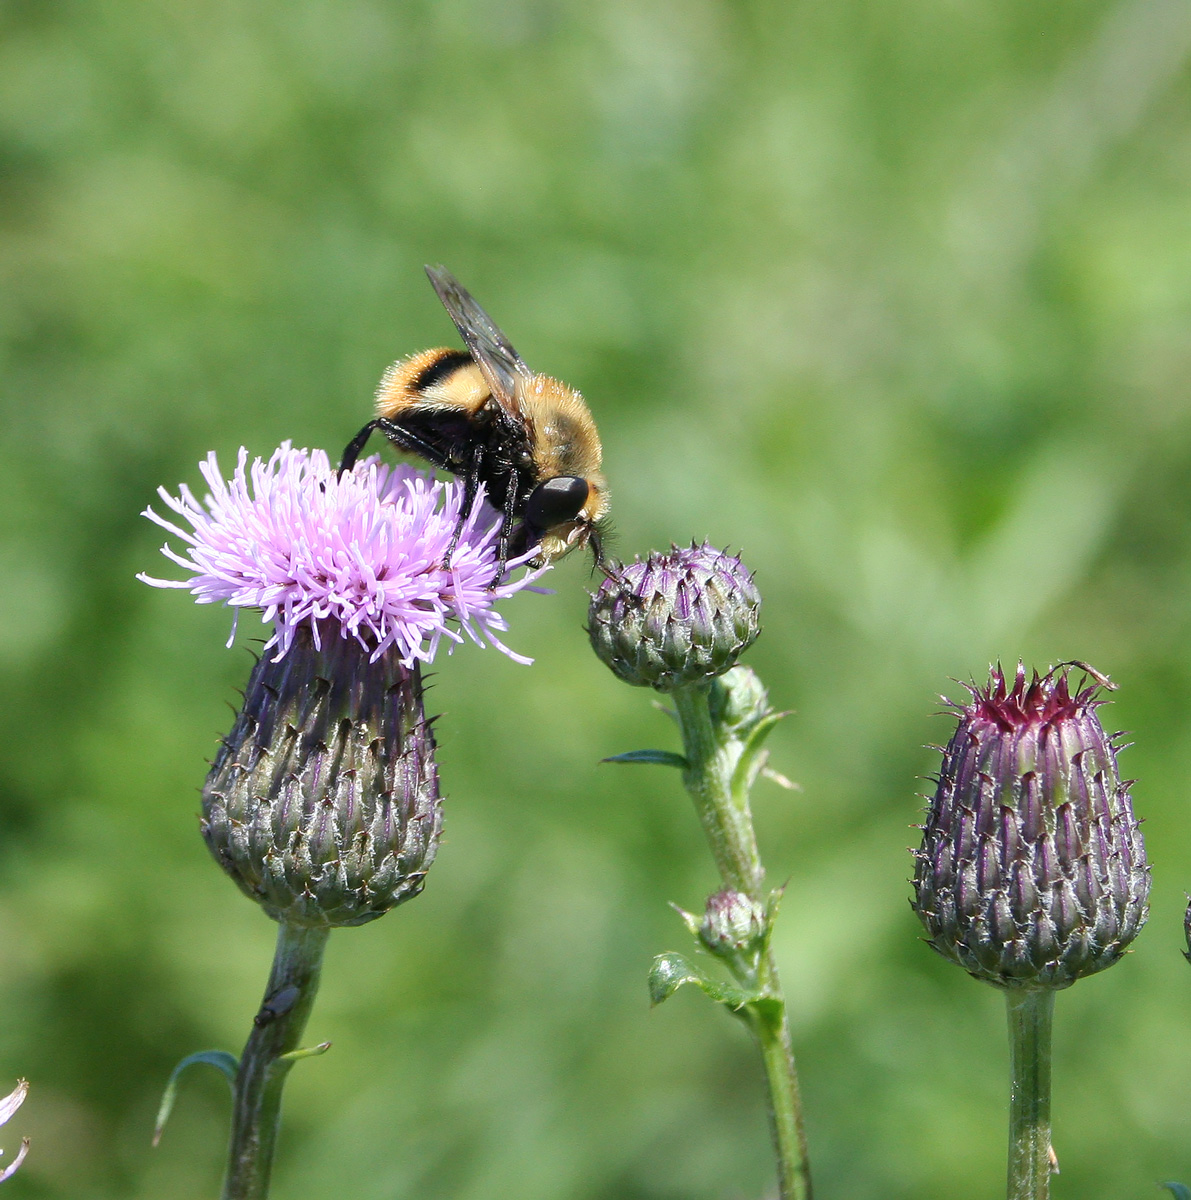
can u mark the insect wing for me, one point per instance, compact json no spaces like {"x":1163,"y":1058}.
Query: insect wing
{"x":499,"y":362}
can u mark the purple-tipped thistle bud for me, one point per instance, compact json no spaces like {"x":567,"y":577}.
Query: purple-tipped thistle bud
{"x":733,"y":925}
{"x":1032,"y":871}
{"x":323,"y":803}
{"x":675,"y":619}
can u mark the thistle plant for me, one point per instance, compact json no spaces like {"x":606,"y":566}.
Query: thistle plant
{"x":322,"y":803}
{"x":677,"y":623}
{"x":1032,"y":871}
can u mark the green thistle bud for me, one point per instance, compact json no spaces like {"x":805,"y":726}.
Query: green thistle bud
{"x":739,"y":700}
{"x":1032,"y":871}
{"x":733,"y":925}
{"x":675,"y":619}
{"x":322,"y":803}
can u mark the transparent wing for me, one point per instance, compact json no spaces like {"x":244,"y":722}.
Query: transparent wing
{"x":499,"y":362}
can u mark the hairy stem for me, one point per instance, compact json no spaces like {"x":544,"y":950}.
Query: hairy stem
{"x":276,"y":1031}
{"x":785,"y":1100}
{"x":1030,"y":1015}
{"x":712,"y":753}
{"x":726,"y":819}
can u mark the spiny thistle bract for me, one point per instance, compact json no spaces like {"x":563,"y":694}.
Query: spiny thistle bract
{"x":322,"y":803}
{"x":676,"y":619}
{"x":1032,"y":871}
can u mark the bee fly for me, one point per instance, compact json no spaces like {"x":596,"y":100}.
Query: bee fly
{"x":483,"y":415}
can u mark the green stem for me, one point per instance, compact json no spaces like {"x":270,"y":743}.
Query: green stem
{"x":276,"y":1030}
{"x":785,"y":1100}
{"x":1030,"y":1017}
{"x":712,"y":755}
{"x":727,"y":821}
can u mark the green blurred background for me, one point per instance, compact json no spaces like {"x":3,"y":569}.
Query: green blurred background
{"x":894,"y":296}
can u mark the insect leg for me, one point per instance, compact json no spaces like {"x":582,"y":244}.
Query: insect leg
{"x":597,"y":548}
{"x":355,"y":446}
{"x":471,"y":486}
{"x":403,"y":439}
{"x":411,"y":443}
{"x":506,"y":529}
{"x":602,"y":562}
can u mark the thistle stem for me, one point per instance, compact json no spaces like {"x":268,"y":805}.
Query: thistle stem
{"x":712,"y":754}
{"x":1030,"y":1017}
{"x":276,"y":1031}
{"x":726,"y":818}
{"x":785,"y":1100}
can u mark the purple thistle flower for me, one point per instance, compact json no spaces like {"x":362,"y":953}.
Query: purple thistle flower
{"x":364,"y":551}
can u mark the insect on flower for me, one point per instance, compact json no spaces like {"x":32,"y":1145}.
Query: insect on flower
{"x":483,"y":415}
{"x":323,"y":802}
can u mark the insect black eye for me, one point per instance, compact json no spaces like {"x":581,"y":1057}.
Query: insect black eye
{"x":555,"y":501}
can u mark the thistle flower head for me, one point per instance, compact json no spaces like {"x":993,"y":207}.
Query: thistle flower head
{"x":1032,"y":870}
{"x":360,"y":555}
{"x":675,"y":619}
{"x":322,"y":803}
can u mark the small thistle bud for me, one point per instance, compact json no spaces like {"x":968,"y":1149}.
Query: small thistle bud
{"x":675,"y":619}
{"x":322,"y":803}
{"x":739,"y":699}
{"x":1032,"y":871}
{"x":1187,"y":930}
{"x":732,"y":925}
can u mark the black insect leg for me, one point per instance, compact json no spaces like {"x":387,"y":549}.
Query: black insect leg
{"x":356,"y":445}
{"x":597,"y":549}
{"x":602,"y":562}
{"x":471,"y":488}
{"x":404,"y":440}
{"x":506,"y":530}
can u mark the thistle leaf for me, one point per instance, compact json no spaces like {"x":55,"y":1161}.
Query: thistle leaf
{"x":750,"y":761}
{"x":670,"y":971}
{"x":660,"y":758}
{"x":305,"y":1052}
{"x":220,"y":1059}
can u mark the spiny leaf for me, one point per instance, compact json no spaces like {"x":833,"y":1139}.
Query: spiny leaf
{"x":1180,"y":1191}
